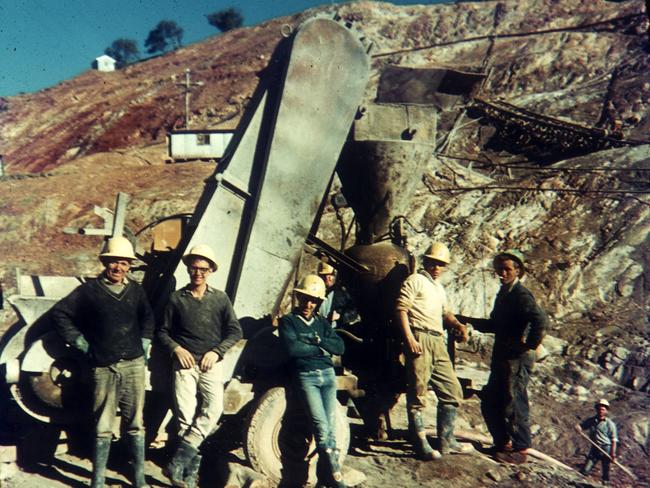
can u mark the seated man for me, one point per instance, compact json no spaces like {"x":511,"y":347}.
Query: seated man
{"x":199,"y":326}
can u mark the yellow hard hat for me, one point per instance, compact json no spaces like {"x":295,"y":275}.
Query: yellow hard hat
{"x":202,"y":251}
{"x":311,"y":285}
{"x":325,"y":269}
{"x":118,"y":247}
{"x":439,"y":252}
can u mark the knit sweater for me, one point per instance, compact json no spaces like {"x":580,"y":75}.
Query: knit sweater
{"x":112,"y":324}
{"x":311,"y":343}
{"x":517,"y":322}
{"x":199,"y":325}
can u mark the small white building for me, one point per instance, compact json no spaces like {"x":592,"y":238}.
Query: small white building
{"x":104,"y":63}
{"x":205,"y":145}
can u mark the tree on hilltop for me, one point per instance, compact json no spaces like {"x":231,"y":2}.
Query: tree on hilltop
{"x":123,"y":51}
{"x":226,"y":20}
{"x":167,"y":34}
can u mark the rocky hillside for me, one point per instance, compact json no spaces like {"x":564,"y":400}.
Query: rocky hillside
{"x":579,"y":210}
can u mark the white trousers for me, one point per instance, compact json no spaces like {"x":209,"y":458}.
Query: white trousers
{"x":198,"y":399}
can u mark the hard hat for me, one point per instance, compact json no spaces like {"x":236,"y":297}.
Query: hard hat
{"x":603,"y":402}
{"x":311,"y":285}
{"x":325,"y":269}
{"x":202,"y":251}
{"x":514,"y":255}
{"x":118,"y":247}
{"x":439,"y":252}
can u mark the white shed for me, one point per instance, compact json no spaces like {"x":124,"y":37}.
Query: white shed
{"x":104,"y":63}
{"x":198,"y":144}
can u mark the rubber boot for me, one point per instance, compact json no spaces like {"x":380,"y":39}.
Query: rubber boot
{"x":445,"y":422}
{"x":335,"y":473}
{"x":589,"y":465}
{"x":136,"y":449}
{"x":100,"y":459}
{"x":192,"y":471}
{"x":181,"y":459}
{"x":423,"y":449}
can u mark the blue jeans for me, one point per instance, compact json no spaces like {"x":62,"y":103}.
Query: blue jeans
{"x":318,"y":389}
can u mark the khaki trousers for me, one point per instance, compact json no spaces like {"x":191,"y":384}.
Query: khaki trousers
{"x":432,"y":365}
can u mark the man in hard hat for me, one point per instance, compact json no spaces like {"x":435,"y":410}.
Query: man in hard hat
{"x":110,"y":321}
{"x":518,"y":325}
{"x":602,"y":431}
{"x":198,"y":327}
{"x":337,"y":306}
{"x":310,"y":343}
{"x":423,"y":313}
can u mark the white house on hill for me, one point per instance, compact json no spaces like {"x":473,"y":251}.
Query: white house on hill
{"x":104,"y":63}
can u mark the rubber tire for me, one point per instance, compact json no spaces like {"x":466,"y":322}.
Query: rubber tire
{"x":277,"y":441}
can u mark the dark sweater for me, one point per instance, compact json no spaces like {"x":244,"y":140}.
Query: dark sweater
{"x":208,"y":324}
{"x":112,"y":324}
{"x":517,"y":322}
{"x":309,"y":346}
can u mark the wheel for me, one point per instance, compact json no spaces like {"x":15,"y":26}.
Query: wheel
{"x":278,"y":440}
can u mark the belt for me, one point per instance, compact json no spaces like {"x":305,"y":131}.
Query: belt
{"x":430,"y":332}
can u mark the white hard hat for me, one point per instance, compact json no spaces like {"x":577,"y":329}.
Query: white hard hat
{"x":118,"y":247}
{"x":439,"y":252}
{"x":202,"y":251}
{"x":603,"y":402}
{"x":311,"y":285}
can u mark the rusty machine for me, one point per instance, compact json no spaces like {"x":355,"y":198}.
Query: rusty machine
{"x":259,"y":210}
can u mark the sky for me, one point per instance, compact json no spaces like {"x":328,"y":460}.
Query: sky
{"x":43,"y":42}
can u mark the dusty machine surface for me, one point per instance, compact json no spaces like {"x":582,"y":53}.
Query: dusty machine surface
{"x":306,"y":119}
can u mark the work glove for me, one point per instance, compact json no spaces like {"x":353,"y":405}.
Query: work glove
{"x":81,"y":344}
{"x":146,"y":346}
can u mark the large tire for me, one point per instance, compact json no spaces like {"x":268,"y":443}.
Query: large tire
{"x":278,"y":439}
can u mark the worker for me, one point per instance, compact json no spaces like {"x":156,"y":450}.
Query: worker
{"x":310,"y":343}
{"x":337,"y":307}
{"x":518,"y":325}
{"x":198,"y":327}
{"x":109,"y":320}
{"x":423,"y":313}
{"x":602,"y":431}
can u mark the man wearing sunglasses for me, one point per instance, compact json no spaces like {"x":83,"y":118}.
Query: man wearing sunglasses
{"x":199,"y":326}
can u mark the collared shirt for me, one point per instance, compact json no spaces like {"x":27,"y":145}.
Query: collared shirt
{"x":424,"y":300}
{"x":115,"y":288}
{"x":199,"y":325}
{"x":602,"y":432}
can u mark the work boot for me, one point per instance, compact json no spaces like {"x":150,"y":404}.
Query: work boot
{"x":192,"y":471}
{"x":423,"y":449}
{"x":100,"y":458}
{"x":512,"y":457}
{"x":589,"y":465}
{"x":136,"y":449}
{"x":328,"y":469}
{"x":445,"y":422}
{"x":181,"y":459}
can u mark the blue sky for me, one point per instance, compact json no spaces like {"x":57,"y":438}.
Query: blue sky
{"x":43,"y":42}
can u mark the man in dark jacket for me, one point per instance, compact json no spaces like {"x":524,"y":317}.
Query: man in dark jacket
{"x":518,"y":325}
{"x":198,"y":327}
{"x":109,"y":319}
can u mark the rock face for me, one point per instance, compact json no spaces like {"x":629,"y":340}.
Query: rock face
{"x":581,"y":218}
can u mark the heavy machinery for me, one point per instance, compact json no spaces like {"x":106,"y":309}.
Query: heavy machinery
{"x":258,"y":210}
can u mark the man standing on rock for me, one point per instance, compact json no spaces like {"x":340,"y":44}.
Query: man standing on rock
{"x":422,"y":310}
{"x":518,"y":325}
{"x":109,"y":320}
{"x":199,"y":326}
{"x":602,"y":432}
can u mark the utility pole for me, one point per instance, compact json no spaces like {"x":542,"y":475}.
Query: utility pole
{"x":187,"y":85}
